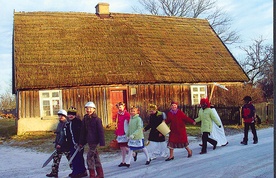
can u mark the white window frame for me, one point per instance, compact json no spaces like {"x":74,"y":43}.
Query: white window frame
{"x":198,"y":94}
{"x":51,"y":99}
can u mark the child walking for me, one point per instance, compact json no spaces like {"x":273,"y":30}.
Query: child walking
{"x":92,"y":133}
{"x":136,"y":136}
{"x":62,"y":145}
{"x":79,"y":169}
{"x":122,"y":122}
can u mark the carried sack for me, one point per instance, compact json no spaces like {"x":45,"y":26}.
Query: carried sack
{"x":114,"y":144}
{"x":122,"y":139}
{"x":135,"y":143}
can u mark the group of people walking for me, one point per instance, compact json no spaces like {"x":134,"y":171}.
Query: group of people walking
{"x":130,"y":127}
{"x":72,"y":134}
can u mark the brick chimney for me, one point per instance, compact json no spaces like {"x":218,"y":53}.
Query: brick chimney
{"x":102,"y":10}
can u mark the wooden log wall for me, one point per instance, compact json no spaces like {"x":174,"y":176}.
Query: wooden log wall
{"x":28,"y":104}
{"x":78,"y":97}
{"x":159,"y":94}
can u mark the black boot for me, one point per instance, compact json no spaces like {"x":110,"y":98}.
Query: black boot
{"x":52,"y":175}
{"x":135,"y":157}
{"x":244,"y":143}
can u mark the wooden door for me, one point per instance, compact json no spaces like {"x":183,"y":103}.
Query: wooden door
{"x":116,"y":96}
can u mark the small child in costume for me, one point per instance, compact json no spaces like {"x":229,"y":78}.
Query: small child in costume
{"x":136,"y":136}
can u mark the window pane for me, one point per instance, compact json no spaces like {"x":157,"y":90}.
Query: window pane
{"x":55,"y":94}
{"x":202,"y":95}
{"x":202,"y":89}
{"x":195,"y":89}
{"x":55,"y":106}
{"x":46,"y":113}
{"x":46,"y":108}
{"x":46,"y":103}
{"x":45,"y":95}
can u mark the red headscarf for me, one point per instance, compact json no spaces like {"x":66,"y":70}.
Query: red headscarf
{"x":174,"y":102}
{"x":205,"y":101}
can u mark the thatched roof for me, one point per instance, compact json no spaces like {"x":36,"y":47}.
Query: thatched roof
{"x":55,"y":49}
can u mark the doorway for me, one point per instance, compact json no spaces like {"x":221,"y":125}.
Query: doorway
{"x":117,"y":96}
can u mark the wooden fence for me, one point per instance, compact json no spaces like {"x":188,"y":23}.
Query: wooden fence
{"x":230,"y":115}
{"x":266,"y":112}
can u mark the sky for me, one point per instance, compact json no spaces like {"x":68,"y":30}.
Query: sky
{"x":251,"y":19}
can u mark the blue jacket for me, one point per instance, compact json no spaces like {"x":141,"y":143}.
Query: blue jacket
{"x":61,"y":136}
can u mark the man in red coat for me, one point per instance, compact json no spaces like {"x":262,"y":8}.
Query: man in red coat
{"x":178,"y":135}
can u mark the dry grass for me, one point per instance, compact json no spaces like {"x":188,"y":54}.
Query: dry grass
{"x":43,"y":141}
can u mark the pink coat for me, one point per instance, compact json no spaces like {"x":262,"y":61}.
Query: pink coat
{"x":177,"y":123}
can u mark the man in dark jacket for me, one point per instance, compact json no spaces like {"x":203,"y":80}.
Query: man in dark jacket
{"x":248,"y":115}
{"x":73,"y":132}
{"x":61,"y":143}
{"x":92,"y":133}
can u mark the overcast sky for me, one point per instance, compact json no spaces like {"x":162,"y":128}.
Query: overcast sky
{"x":251,"y":19}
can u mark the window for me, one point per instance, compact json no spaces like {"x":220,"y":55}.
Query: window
{"x":50,"y":102}
{"x":198,"y":92}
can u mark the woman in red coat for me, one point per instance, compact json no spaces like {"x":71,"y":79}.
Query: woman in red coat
{"x":178,"y":135}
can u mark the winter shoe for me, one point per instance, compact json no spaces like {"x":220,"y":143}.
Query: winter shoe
{"x":244,"y":143}
{"x":135,"y":157}
{"x":255,"y":142}
{"x":52,"y":175}
{"x":215,"y":146}
{"x":169,"y":159}
{"x":148,"y":162}
{"x":122,"y":164}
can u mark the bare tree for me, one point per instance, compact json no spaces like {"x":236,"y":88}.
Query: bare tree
{"x":7,"y":100}
{"x":258,"y":63}
{"x":207,"y":9}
